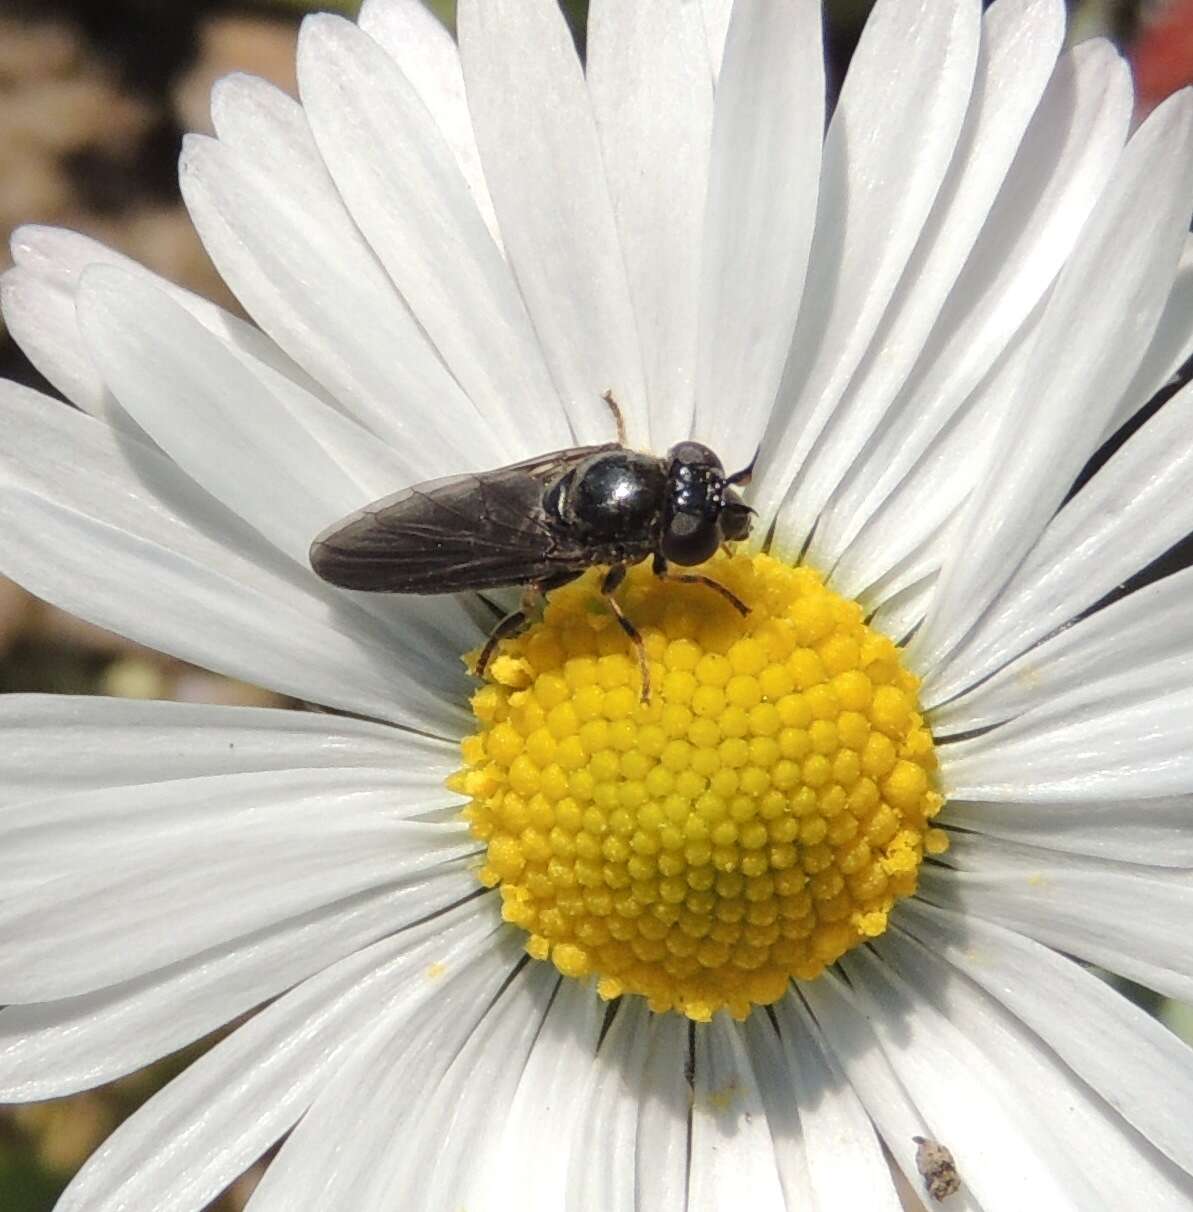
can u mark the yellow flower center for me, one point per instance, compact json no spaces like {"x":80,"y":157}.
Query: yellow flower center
{"x":752,"y":822}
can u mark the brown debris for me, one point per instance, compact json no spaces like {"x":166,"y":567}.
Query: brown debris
{"x":937,"y":1168}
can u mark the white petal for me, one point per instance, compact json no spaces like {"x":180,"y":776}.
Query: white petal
{"x":1107,"y":1165}
{"x":211,"y":415}
{"x":1146,"y":1075}
{"x":900,"y":615}
{"x":970,"y":1103}
{"x":1110,"y":293}
{"x":436,"y":1093}
{"x":923,"y":511}
{"x":50,"y":834}
{"x":275,"y":454}
{"x":1130,"y":920}
{"x":542,"y":159}
{"x":664,"y":1116}
{"x":1020,"y":41}
{"x":1170,"y":349}
{"x":198,"y":1133}
{"x":456,"y":1125}
{"x":58,"y":258}
{"x":910,"y":570}
{"x":1063,"y":164}
{"x":733,"y":1156}
{"x":888,"y":148}
{"x":116,"y":514}
{"x":50,"y":1049}
{"x":647,"y":69}
{"x":783,"y":1110}
{"x":113,"y":865}
{"x":1154,"y":831}
{"x":542,"y":1118}
{"x":419,"y":43}
{"x":1111,"y":654}
{"x":55,"y":744}
{"x":40,"y":316}
{"x":851,"y":1042}
{"x":273,"y":224}
{"x":607,"y":1126}
{"x":763,"y":183}
{"x":844,"y":1159}
{"x":401,"y":184}
{"x":1135,"y":508}
{"x":1129,"y":738}
{"x":973,"y":852}
{"x":717,"y":14}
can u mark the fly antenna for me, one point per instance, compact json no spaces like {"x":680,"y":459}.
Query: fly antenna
{"x":744,"y":476}
{"x":619,"y":420}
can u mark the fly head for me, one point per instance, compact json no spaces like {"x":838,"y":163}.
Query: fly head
{"x":702,"y":508}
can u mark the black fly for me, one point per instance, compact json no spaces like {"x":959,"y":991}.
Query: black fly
{"x":541,"y":523}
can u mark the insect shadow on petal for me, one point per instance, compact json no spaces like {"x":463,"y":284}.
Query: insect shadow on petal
{"x":542,"y":523}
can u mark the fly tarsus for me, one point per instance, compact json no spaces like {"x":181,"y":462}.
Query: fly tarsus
{"x":518,"y":620}
{"x":660,"y":569}
{"x":609,"y":583}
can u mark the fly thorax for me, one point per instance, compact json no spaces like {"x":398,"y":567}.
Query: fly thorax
{"x":611,"y":497}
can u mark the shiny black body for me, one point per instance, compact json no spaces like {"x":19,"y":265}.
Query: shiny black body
{"x":541,"y":522}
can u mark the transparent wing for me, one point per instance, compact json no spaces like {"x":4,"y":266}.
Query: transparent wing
{"x":475,"y":531}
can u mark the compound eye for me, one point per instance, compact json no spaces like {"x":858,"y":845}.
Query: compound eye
{"x":694,"y":454}
{"x":690,"y":539}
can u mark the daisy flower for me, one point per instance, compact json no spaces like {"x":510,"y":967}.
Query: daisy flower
{"x":829,"y":898}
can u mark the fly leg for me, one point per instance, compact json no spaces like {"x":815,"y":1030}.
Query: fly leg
{"x":513,"y":623}
{"x":517,"y":620}
{"x":660,"y":569}
{"x":613,"y":578}
{"x":618,"y":419}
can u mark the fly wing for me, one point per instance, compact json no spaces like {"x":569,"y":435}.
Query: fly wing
{"x":474,"y":531}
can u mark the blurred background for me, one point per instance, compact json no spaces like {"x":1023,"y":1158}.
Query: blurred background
{"x":94,"y":98}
